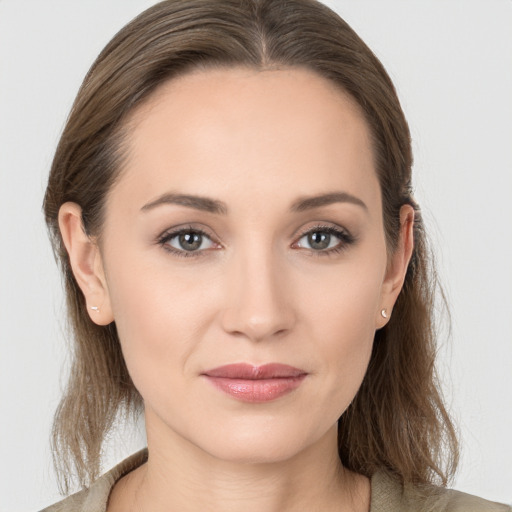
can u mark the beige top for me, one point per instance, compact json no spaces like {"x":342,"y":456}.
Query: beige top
{"x":387,"y":495}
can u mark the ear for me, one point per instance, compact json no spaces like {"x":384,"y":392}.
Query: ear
{"x":397,"y":266}
{"x":86,"y":263}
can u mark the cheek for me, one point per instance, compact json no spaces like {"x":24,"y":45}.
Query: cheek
{"x":156,"y":311}
{"x":343,"y":302}
{"x":163,"y":313}
{"x":342,"y":319}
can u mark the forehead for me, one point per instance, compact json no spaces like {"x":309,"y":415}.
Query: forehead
{"x":241,"y":131}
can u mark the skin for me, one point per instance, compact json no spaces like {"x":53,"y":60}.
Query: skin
{"x":256,"y":290}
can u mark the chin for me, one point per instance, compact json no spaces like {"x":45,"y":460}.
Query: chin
{"x":256,"y":451}
{"x":259,"y":443}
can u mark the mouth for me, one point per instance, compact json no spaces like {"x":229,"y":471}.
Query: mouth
{"x":249,"y":383}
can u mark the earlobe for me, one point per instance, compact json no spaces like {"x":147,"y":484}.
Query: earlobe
{"x":86,"y":263}
{"x":398,"y":264}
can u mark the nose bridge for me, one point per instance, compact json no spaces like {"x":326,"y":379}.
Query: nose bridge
{"x":257,"y":305}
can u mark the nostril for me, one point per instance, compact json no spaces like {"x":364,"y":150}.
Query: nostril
{"x":242,"y":323}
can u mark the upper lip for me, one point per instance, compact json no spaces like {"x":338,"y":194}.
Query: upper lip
{"x":250,"y":372}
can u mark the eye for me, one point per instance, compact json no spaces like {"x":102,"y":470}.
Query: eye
{"x":325,"y":239}
{"x":186,"y":242}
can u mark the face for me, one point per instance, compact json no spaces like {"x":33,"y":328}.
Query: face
{"x":246,"y":230}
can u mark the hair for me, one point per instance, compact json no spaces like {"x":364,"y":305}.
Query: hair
{"x":397,"y":421}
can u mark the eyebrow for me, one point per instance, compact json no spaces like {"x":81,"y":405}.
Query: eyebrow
{"x":308,"y":203}
{"x":210,"y":205}
{"x":198,"y":202}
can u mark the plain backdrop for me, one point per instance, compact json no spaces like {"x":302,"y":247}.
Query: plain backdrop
{"x":452,"y":64}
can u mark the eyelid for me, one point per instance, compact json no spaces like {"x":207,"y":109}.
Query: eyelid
{"x":325,"y":226}
{"x":344,"y":236}
{"x":171,"y":233}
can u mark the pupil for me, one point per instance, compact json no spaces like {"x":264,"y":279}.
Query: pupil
{"x":190,"y":241}
{"x":319,"y":240}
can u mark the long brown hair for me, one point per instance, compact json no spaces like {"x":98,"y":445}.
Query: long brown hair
{"x":397,"y":420}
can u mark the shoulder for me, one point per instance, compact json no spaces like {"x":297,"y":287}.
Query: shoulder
{"x":388,"y":495}
{"x":78,"y":502}
{"x":95,"y":497}
{"x":460,"y":501}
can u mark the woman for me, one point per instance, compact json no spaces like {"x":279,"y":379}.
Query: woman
{"x":231,"y":205}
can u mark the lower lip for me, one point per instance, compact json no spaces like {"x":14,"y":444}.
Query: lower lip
{"x":260,"y":390}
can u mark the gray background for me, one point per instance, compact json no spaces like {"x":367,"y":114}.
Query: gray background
{"x":452,"y":64}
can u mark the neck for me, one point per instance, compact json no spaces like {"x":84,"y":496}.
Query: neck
{"x":181,"y":476}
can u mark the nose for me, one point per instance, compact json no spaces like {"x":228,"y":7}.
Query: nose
{"x":258,"y":297}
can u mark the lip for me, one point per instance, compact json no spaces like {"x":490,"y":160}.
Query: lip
{"x":249,"y":383}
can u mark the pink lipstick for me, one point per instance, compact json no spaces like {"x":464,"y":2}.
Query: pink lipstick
{"x":250,"y":383}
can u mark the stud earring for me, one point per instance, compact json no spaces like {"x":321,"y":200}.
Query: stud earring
{"x":384,"y":313}
{"x":95,"y":308}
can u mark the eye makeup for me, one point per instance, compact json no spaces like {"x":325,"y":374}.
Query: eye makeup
{"x":195,"y":238}
{"x":186,"y":235}
{"x":345,"y":239}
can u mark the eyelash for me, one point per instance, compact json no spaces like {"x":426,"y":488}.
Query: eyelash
{"x":346,"y":239}
{"x":169,"y":235}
